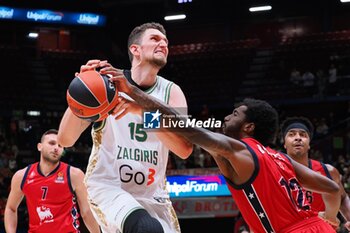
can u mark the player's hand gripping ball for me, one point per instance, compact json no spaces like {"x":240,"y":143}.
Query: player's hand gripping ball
{"x":91,"y":96}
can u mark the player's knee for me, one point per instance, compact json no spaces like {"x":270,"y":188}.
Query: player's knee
{"x":147,"y":224}
{"x":140,"y":221}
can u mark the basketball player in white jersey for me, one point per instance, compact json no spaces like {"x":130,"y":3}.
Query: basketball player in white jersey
{"x":125,"y":177}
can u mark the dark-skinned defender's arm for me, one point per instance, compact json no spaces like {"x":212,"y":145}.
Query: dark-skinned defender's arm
{"x":239,"y":165}
{"x":216,"y":144}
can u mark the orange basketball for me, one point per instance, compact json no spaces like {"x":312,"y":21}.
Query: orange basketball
{"x":91,"y":96}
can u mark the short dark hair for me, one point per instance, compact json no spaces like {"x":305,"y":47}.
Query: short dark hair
{"x":137,"y":32}
{"x":264,"y":117}
{"x":50,"y":131}
{"x":297,"y":119}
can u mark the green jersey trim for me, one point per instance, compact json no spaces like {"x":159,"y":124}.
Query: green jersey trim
{"x":151,"y":89}
{"x":97,"y":126}
{"x":167,"y":92}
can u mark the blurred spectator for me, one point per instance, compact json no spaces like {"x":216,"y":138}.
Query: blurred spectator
{"x":340,"y":164}
{"x":3,"y":160}
{"x":179,"y":163}
{"x":322,"y":82}
{"x":347,"y":143}
{"x":308,"y":79}
{"x":295,"y":77}
{"x":332,"y":73}
{"x":3,"y":187}
{"x":208,"y":159}
{"x":346,"y":174}
{"x":13,"y":165}
{"x":199,"y":156}
{"x":5,"y":176}
{"x":314,"y":121}
{"x":2,"y":142}
{"x":332,"y":79}
{"x":348,"y":114}
{"x":14,"y":149}
{"x":316,"y":154}
{"x":171,"y":163}
{"x":331,"y":119}
{"x":322,"y":127}
{"x":334,"y":58}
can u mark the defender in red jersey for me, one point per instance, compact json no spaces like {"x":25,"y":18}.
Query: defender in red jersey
{"x":52,"y":190}
{"x":297,"y":133}
{"x":264,"y":183}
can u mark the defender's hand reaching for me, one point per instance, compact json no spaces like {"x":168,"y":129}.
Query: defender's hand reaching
{"x":120,"y":81}
{"x":92,"y":65}
{"x":126,"y":106}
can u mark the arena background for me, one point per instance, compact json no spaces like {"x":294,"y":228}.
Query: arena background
{"x":219,"y":54}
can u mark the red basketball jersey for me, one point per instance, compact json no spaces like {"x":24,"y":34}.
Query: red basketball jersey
{"x":272,"y":199}
{"x":315,"y":199}
{"x":50,"y":200}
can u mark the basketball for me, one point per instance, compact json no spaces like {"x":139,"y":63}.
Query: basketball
{"x":91,"y":96}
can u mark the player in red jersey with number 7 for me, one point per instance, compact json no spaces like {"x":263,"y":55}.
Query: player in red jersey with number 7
{"x":265,"y":184}
{"x":53,"y":190}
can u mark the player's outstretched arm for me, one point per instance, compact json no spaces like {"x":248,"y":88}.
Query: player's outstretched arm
{"x":70,"y":129}
{"x":13,"y":201}
{"x":77,"y":177}
{"x":240,"y":160}
{"x":330,"y":190}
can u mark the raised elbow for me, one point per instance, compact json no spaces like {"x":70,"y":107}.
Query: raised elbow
{"x":185,"y":151}
{"x":188,"y":151}
{"x":64,"y":141}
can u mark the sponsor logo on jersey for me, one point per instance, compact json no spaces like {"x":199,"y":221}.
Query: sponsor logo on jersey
{"x":136,"y":154}
{"x":44,"y":214}
{"x":30,"y":181}
{"x":59,"y":178}
{"x":32,"y":174}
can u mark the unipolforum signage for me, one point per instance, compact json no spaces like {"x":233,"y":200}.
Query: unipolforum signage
{"x":48,"y":16}
{"x":200,"y":193}
{"x":197,"y":186}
